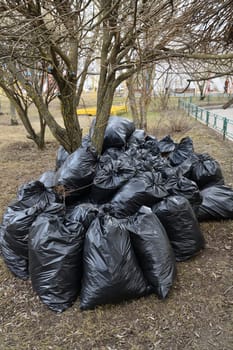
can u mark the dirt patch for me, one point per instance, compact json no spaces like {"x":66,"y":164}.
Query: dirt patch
{"x":196,"y":315}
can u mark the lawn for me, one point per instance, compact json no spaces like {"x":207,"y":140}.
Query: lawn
{"x":197,"y":315}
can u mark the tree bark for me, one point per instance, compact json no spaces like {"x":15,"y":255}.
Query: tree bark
{"x":228,"y":104}
{"x":14,"y":120}
{"x":143,"y":83}
{"x":133,"y":102}
{"x":69,"y":113}
{"x":68,"y":96}
{"x":102,"y":116}
{"x":201,"y":87}
{"x":143,"y":113}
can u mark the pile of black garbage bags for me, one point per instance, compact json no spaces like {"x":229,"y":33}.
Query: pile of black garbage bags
{"x":110,"y":228}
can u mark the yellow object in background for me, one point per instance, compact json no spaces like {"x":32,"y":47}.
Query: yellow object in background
{"x":92,"y":110}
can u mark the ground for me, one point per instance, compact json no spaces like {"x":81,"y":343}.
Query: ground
{"x":196,"y":315}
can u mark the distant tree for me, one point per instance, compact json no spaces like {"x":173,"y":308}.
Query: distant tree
{"x":14,"y":120}
{"x":140,"y":92}
{"x":202,"y":72}
{"x":21,"y":101}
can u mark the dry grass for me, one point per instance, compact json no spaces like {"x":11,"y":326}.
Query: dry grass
{"x":169,"y":122}
{"x":197,"y":314}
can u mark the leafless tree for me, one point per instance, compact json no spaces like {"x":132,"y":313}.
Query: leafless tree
{"x":140,"y":91}
{"x":39,"y":79}
{"x":56,"y":35}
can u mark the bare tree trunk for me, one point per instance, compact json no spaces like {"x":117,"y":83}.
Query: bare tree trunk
{"x":14,"y":120}
{"x":69,"y":113}
{"x":58,"y":132}
{"x":41,"y":134}
{"x":68,"y":96}
{"x":39,"y":138}
{"x":142,"y":82}
{"x":201,"y":87}
{"x":133,"y":102}
{"x":143,"y":113}
{"x":102,"y":115}
{"x":228,"y":104}
{"x":106,"y":86}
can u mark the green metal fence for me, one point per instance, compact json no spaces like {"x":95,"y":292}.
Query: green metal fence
{"x":221,"y":124}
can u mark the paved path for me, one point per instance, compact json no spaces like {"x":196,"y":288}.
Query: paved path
{"x":228,"y":113}
{"x":218,"y":123}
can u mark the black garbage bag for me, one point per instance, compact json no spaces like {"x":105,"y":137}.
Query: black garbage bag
{"x":152,"y":144}
{"x":48,"y":178}
{"x":150,"y":163}
{"x":159,"y":163}
{"x":17,"y":265}
{"x":133,"y":157}
{"x":137,"y":138}
{"x":147,"y":164}
{"x":139,"y":158}
{"x":110,"y":176}
{"x":8,"y":213}
{"x":184,"y":169}
{"x":183,"y":150}
{"x":117,"y":132}
{"x":2,"y":231}
{"x":78,"y":171}
{"x":186,"y":188}
{"x":113,"y":152}
{"x":84,"y":213}
{"x":55,"y":260}
{"x":75,"y":198}
{"x":111,"y":272}
{"x":153,"y":250}
{"x":166,"y":145}
{"x":206,"y":171}
{"x":217,"y":203}
{"x":145,"y":189}
{"x":143,"y":160}
{"x":17,"y":230}
{"x":35,"y":193}
{"x":62,"y":154}
{"x":181,"y":225}
{"x":14,"y":240}
{"x":86,"y":141}
{"x":57,"y":209}
{"x":6,"y":216}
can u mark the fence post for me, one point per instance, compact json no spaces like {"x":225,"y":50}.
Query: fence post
{"x":207,"y":117}
{"x":179,"y":103}
{"x":196,"y":112}
{"x":189,"y":105}
{"x":224,"y":128}
{"x":215,"y":121}
{"x":201,"y":114}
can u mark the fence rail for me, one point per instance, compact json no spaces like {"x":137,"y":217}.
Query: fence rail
{"x":221,"y":124}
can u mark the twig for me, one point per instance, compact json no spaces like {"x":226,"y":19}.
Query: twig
{"x":227,"y":290}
